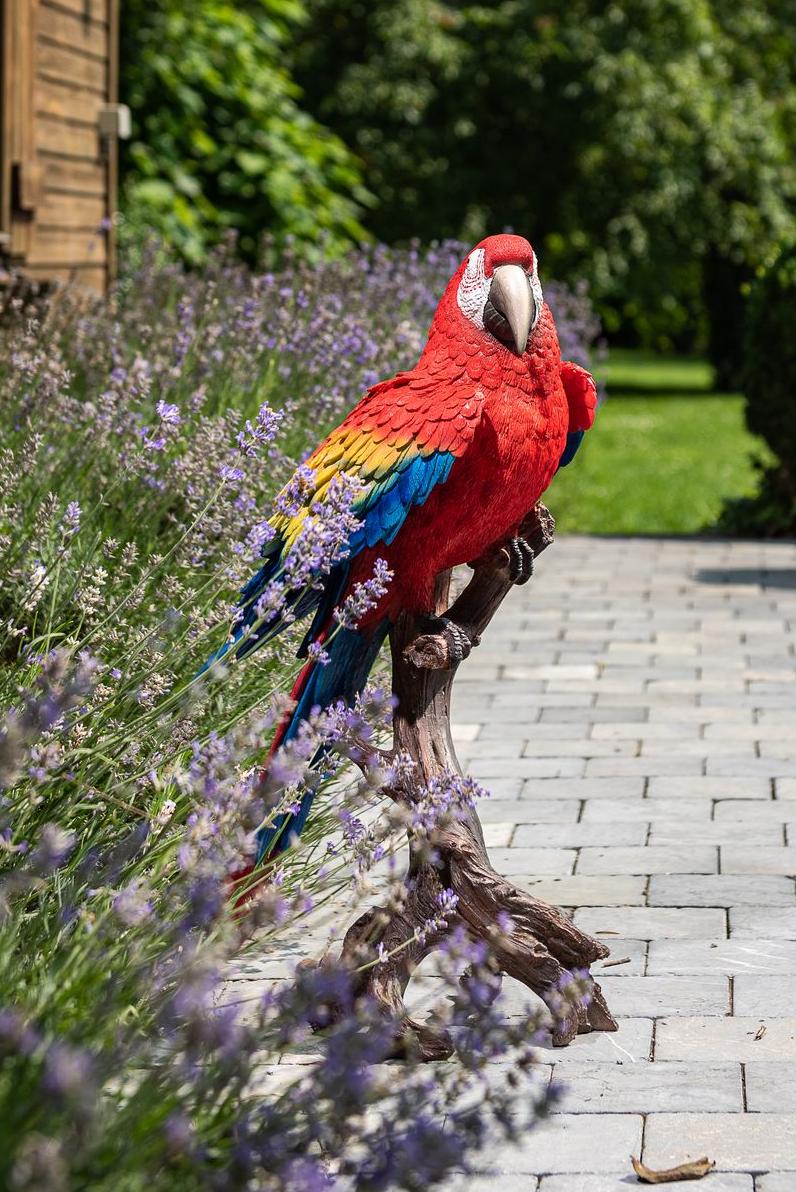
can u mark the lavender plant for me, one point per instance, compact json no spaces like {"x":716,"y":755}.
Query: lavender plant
{"x":144,"y":440}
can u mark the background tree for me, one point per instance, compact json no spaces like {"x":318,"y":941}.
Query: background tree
{"x":646,"y":145}
{"x":221,"y":141}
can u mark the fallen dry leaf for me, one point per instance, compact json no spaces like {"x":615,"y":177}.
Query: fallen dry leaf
{"x":612,"y":963}
{"x":684,"y":1171}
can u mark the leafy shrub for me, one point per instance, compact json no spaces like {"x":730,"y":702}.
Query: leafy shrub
{"x":143,"y":441}
{"x":770,"y":386}
{"x":221,"y":140}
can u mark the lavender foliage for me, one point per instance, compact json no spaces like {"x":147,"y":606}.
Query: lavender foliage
{"x":143,"y":441}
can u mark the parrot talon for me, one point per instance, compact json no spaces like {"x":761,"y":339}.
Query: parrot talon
{"x":521,"y":559}
{"x":458,"y":640}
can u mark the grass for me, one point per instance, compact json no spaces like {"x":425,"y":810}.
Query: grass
{"x":664,"y":455}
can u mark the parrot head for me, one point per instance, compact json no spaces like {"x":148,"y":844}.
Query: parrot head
{"x":497,"y":289}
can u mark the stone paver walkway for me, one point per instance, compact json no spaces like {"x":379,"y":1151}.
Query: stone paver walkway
{"x":633,"y":711}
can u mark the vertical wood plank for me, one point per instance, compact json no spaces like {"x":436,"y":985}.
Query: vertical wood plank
{"x":6,"y":91}
{"x":113,"y":147}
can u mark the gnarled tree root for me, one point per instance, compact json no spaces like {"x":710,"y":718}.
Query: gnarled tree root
{"x":529,"y":940}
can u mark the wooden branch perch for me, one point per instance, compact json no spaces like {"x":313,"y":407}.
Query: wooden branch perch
{"x":542,"y":947}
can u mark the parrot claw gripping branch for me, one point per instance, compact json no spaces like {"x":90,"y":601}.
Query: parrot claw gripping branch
{"x":450,"y":460}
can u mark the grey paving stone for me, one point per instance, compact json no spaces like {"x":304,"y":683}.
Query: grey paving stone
{"x":575,"y":835}
{"x":518,"y":1181}
{"x":762,"y":859}
{"x":532,"y":862}
{"x":659,"y":730}
{"x":739,"y":1141}
{"x":716,"y":1181}
{"x":757,"y":767}
{"x":498,"y":835}
{"x":652,"y":923}
{"x":648,"y":810}
{"x":632,"y":953}
{"x":628,"y":1045}
{"x":722,"y":956}
{"x":778,"y":811}
{"x":503,"y":811}
{"x":651,"y":997}
{"x":644,"y":1087}
{"x":727,"y":832}
{"x":720,"y":890}
{"x":754,"y":922}
{"x":487,"y":769}
{"x":776,"y":1181}
{"x":773,"y":996}
{"x":587,"y":891}
{"x":683,"y":859}
{"x":502,"y":787}
{"x":508,"y":746}
{"x":585,"y":747}
{"x":709,"y":788}
{"x":595,"y":715}
{"x":648,"y":766}
{"x":569,"y":1143}
{"x":770,"y":1087}
{"x":711,"y":1039}
{"x":584,"y":788}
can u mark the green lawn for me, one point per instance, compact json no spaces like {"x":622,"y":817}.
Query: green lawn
{"x":663,"y":455}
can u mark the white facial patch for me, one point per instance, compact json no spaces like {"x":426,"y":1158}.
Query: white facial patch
{"x":538,"y":296}
{"x":473,"y":291}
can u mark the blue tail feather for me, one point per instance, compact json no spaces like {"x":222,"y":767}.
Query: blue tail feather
{"x":352,"y":654}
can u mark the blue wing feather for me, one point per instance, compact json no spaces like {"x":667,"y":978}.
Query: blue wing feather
{"x":574,"y":440}
{"x":382,"y":511}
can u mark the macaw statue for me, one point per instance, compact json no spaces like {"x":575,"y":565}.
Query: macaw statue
{"x":453,"y":455}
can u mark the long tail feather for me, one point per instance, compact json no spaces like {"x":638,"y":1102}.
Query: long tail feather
{"x":351,"y":657}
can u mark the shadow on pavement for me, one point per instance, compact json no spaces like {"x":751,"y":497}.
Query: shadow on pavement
{"x":764,"y":577}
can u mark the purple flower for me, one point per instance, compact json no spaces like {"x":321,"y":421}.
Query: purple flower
{"x":53,"y":848}
{"x":168,"y":413}
{"x":72,"y":515}
{"x":364,"y":596}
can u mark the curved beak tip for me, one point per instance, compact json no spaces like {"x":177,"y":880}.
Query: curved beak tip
{"x":510,"y":293}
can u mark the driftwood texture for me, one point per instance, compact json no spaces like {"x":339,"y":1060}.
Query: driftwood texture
{"x":543,"y":947}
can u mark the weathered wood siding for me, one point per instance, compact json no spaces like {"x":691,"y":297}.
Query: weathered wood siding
{"x":59,"y":173}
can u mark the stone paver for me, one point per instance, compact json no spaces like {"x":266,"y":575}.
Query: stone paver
{"x":652,"y":922}
{"x":721,"y":890}
{"x":631,"y":995}
{"x":567,"y":1143}
{"x":632,"y":712}
{"x":738,"y":1141}
{"x":773,"y":1181}
{"x":650,"y":1088}
{"x":717,"y":1181}
{"x":742,"y":1039}
{"x":770,"y":996}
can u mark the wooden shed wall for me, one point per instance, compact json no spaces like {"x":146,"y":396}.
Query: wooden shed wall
{"x":59,"y":173}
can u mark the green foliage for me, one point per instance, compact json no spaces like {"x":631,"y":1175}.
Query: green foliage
{"x":770,"y":348}
{"x":632,"y":142}
{"x":770,"y":385}
{"x":221,"y":141}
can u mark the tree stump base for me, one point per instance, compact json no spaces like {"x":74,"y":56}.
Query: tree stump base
{"x":528,"y":939}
